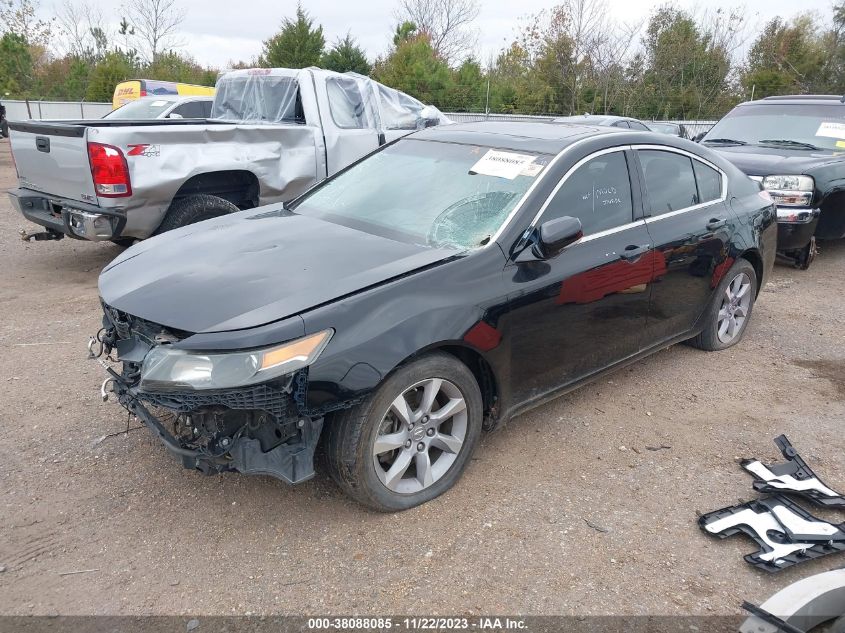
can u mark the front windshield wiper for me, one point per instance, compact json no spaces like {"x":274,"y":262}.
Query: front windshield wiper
{"x":724,"y":141}
{"x":783,"y":141}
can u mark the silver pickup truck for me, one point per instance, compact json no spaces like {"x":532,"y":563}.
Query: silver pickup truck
{"x":272,"y":134}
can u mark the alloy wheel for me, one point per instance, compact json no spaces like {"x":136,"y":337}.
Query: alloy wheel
{"x":420,"y":436}
{"x":736,"y":303}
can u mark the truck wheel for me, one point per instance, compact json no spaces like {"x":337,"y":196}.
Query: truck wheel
{"x":4,"y":129}
{"x":730,"y":309}
{"x":411,"y":439}
{"x":806,"y":255}
{"x":185,"y":211}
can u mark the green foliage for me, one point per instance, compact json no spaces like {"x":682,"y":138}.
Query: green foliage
{"x":114,"y":68}
{"x":297,"y":45}
{"x":16,"y":66}
{"x":413,"y":67}
{"x":787,"y":58}
{"x":345,"y":56}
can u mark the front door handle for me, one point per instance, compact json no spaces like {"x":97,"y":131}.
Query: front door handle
{"x":716,"y":223}
{"x":633,"y":251}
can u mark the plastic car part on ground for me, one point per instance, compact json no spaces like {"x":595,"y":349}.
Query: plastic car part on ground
{"x":785,"y":533}
{"x":802,"y":605}
{"x":793,"y":477}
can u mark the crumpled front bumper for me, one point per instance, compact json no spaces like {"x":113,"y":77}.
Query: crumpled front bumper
{"x":230,"y":427}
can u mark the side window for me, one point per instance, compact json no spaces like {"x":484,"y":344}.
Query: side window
{"x":669,"y":180}
{"x":636,"y":125}
{"x":623,"y":124}
{"x":709,"y":182}
{"x":598,"y":193}
{"x":206,"y":109}
{"x":190,"y":110}
{"x":346,"y":103}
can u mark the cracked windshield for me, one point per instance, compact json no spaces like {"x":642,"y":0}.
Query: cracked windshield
{"x":428,"y":193}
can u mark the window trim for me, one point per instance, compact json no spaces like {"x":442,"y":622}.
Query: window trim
{"x":690,"y":155}
{"x":571,"y":170}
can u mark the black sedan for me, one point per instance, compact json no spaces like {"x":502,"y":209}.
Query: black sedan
{"x":440,"y":286}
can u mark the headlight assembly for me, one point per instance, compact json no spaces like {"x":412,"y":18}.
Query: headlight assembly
{"x":790,"y":191}
{"x":166,"y":368}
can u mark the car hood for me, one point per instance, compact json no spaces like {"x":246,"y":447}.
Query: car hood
{"x":766,"y":161}
{"x":248,"y":269}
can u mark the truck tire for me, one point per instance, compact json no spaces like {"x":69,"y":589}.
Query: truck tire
{"x":730,"y":310}
{"x":4,"y":129}
{"x":351,"y":436}
{"x":185,"y":211}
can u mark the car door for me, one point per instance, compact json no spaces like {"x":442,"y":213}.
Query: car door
{"x":350,"y":129}
{"x":586,"y":308}
{"x":691,"y":226}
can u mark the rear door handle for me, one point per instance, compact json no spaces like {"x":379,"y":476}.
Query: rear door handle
{"x":633,"y":251}
{"x":716,"y":223}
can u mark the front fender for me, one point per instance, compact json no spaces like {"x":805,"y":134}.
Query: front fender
{"x":456,"y":303}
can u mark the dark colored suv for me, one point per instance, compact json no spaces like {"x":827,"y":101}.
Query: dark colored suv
{"x":794,"y":146}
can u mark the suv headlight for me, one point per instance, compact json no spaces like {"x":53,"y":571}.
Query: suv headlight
{"x":790,"y":191}
{"x":165,"y":368}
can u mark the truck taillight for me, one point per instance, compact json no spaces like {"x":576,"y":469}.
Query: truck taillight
{"x":110,"y":171}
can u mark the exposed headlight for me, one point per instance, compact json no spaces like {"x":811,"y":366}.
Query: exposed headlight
{"x":166,"y":368}
{"x":790,"y":191}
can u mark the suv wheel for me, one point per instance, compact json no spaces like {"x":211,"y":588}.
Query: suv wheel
{"x":411,"y":439}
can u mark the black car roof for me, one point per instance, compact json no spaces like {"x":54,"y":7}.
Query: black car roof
{"x":548,"y":138}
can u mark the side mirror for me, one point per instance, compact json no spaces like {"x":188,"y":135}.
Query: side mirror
{"x":697,"y":138}
{"x":557,"y":234}
{"x":174,"y":115}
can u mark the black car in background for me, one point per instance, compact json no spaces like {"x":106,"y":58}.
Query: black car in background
{"x":448,"y":282}
{"x":794,"y":146}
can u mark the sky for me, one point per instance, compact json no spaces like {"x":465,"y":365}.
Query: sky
{"x":217,"y":31}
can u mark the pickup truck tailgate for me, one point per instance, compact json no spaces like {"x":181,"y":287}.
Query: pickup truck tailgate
{"x":52,"y":158}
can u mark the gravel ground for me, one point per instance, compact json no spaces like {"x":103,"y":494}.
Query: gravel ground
{"x":565,"y":511}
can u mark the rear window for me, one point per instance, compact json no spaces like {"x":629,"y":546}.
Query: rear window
{"x":260,"y":98}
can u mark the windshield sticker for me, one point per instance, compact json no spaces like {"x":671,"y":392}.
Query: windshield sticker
{"x":158,"y":104}
{"x":502,"y":164}
{"x":831,"y":129}
{"x":531,"y":170}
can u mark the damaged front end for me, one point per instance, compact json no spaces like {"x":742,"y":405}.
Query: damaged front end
{"x":206,"y":421}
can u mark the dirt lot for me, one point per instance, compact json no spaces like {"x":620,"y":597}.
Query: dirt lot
{"x":514,"y":536}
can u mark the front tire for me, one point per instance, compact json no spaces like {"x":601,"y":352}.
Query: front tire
{"x":730,"y":310}
{"x":193,"y":209}
{"x":409,"y":441}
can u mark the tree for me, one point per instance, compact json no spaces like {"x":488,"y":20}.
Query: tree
{"x":345,"y":55}
{"x":114,"y":68}
{"x":20,"y":17}
{"x":16,"y":65}
{"x":786,"y":58}
{"x":298,"y":45}
{"x":414,"y":67}
{"x":85,"y":33}
{"x":446,"y":22}
{"x":155,"y":23}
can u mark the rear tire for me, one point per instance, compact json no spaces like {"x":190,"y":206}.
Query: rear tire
{"x":193,"y":209}
{"x":730,"y":309}
{"x":403,"y":468}
{"x":4,"y":129}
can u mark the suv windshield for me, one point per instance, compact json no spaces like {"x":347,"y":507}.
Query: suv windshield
{"x":148,"y":108}
{"x":794,"y":126}
{"x":429,"y":193}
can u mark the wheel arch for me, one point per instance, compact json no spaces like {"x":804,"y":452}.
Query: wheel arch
{"x":475,"y":361}
{"x":753,"y":257}
{"x":241,"y":187}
